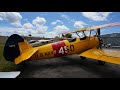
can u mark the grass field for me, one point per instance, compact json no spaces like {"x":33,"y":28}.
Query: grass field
{"x":5,"y":65}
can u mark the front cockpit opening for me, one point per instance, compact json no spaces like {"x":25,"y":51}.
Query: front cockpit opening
{"x":72,"y":36}
{"x":81,"y":35}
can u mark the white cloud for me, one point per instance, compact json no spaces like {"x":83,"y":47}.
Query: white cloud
{"x":51,"y":34}
{"x":54,"y":23}
{"x":17,"y":24}
{"x":42,"y":29}
{"x":97,"y":16}
{"x":13,"y":17}
{"x":45,"y":34}
{"x":65,"y":16}
{"x":39,"y":21}
{"x":79,"y":24}
{"x":32,"y":31}
{"x":61,"y":29}
{"x":28,"y":26}
{"x":36,"y":28}
{"x":2,"y":15}
{"x":26,"y":20}
{"x":39,"y":25}
{"x":57,"y":21}
{"x":7,"y":31}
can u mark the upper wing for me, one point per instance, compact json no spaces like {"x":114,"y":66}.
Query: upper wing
{"x":103,"y":55}
{"x":104,"y":26}
{"x":95,"y":27}
{"x":100,"y":26}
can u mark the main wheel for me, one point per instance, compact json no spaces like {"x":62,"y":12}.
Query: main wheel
{"x":82,"y":57}
{"x":101,"y":62}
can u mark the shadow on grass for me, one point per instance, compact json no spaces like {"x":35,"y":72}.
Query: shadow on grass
{"x":5,"y":65}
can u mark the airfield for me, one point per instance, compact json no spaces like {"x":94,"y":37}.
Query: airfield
{"x":63,"y":67}
{"x":69,"y":67}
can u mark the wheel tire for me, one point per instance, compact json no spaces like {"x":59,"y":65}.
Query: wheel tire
{"x":101,"y":62}
{"x":21,"y":66}
{"x":82,"y":57}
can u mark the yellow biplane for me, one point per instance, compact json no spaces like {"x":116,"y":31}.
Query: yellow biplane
{"x":19,"y":50}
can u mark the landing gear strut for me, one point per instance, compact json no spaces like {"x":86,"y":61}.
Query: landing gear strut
{"x":101,"y":62}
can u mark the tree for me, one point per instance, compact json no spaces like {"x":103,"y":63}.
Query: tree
{"x":30,"y":35}
{"x":57,"y":38}
{"x":68,"y":35}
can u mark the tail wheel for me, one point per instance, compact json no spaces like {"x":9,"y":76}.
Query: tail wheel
{"x":101,"y":62}
{"x":82,"y":57}
{"x":21,"y":66}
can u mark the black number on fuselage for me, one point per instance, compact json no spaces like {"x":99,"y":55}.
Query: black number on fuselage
{"x":71,"y":47}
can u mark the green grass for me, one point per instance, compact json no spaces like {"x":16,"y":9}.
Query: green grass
{"x":5,"y":65}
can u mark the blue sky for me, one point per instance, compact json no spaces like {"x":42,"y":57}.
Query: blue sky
{"x":50,"y":24}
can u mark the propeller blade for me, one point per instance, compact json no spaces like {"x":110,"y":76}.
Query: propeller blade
{"x":98,"y":31}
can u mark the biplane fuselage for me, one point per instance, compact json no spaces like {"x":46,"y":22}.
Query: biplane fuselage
{"x":65,"y":47}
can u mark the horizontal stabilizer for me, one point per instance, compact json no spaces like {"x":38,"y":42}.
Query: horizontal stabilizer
{"x":25,"y":55}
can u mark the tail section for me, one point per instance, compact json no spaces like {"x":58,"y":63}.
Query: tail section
{"x":17,"y":49}
{"x":24,"y":46}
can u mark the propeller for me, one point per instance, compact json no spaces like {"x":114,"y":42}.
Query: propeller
{"x":100,"y":45}
{"x":99,"y":37}
{"x":98,"y":31}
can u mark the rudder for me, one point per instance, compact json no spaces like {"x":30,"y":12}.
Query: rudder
{"x":17,"y":49}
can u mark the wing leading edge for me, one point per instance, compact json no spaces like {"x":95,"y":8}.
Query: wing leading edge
{"x":103,"y":55}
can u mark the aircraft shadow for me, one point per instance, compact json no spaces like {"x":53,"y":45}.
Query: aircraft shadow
{"x":106,"y":71}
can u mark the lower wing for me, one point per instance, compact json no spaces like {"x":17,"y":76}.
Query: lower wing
{"x":103,"y":55}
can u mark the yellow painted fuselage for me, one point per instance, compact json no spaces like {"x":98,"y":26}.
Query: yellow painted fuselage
{"x":64,"y":48}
